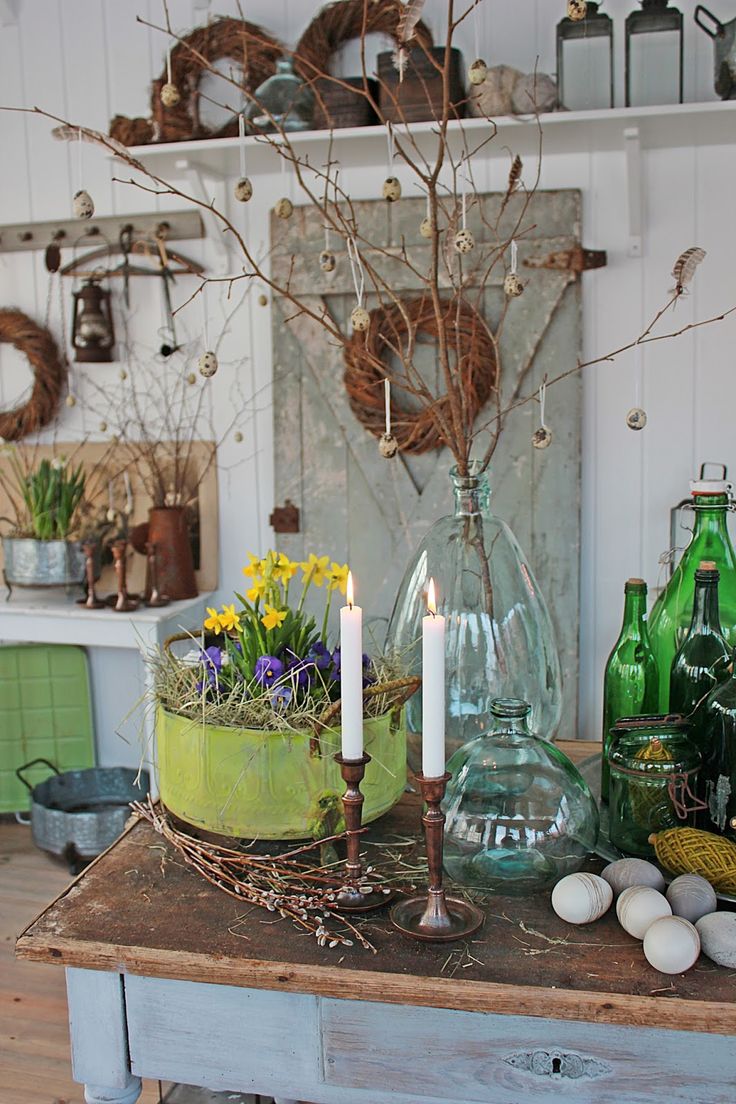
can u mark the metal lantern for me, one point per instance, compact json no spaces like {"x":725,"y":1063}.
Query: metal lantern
{"x":93,"y":334}
{"x":585,"y":61}
{"x":283,"y":100}
{"x":654,"y":40}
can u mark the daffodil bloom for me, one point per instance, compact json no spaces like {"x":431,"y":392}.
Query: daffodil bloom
{"x":254,"y":569}
{"x":337,"y":577}
{"x":213,"y":623}
{"x":273,"y":618}
{"x":229,"y":619}
{"x":314,"y":569}
{"x":285,"y":569}
{"x":257,"y":591}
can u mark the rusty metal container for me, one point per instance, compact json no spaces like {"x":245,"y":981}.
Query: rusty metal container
{"x":169,"y":532}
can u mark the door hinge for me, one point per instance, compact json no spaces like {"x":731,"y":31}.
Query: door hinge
{"x":575,"y":260}
{"x":285,"y":519}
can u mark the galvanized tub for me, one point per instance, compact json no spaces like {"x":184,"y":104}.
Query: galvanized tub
{"x":37,"y":563}
{"x":78,"y":814}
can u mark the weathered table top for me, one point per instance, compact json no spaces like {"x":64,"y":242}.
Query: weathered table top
{"x":139,"y":909}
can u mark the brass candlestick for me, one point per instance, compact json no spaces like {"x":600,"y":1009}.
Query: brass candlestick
{"x":91,"y":601}
{"x":155,"y":599}
{"x":356,"y":896}
{"x":435,"y":918}
{"x":124,"y":602}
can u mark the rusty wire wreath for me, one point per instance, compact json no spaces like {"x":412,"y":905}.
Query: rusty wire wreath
{"x":365,"y":353}
{"x":250,"y":47}
{"x":342,"y":21}
{"x":49,"y":372}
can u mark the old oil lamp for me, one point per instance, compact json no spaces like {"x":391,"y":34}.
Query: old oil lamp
{"x":654,"y":55}
{"x":93,"y":334}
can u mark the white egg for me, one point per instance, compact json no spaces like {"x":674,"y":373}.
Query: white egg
{"x":633,"y":872}
{"x":581,"y":898}
{"x":638,"y":907}
{"x":718,"y":937}
{"x":691,"y":897}
{"x":671,"y":945}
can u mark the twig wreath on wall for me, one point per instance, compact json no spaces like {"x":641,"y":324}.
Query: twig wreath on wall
{"x":49,"y":375}
{"x":343,"y":21}
{"x":367,"y":366}
{"x":245,"y":45}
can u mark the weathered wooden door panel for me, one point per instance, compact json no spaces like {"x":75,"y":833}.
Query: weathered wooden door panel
{"x":357,"y":506}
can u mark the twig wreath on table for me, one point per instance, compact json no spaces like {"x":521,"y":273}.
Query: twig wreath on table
{"x":49,"y":375}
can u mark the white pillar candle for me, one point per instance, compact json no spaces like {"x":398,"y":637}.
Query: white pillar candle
{"x":433,"y":689}
{"x":351,"y":673}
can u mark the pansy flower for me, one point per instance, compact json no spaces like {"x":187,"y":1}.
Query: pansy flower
{"x":281,"y":697}
{"x":267,"y":670}
{"x":300,"y":670}
{"x":319,"y":655}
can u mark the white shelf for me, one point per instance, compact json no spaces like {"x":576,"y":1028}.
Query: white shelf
{"x":563,"y":132}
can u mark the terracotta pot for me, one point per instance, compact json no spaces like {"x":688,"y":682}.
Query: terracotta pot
{"x":168,"y":530}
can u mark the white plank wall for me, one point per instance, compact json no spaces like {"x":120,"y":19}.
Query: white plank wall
{"x":89,"y":59}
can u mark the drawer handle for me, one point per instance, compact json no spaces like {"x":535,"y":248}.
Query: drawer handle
{"x":558,"y":1064}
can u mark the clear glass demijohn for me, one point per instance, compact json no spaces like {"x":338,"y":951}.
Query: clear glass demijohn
{"x":283,"y":100}
{"x":519,"y":814}
{"x":499,"y":639}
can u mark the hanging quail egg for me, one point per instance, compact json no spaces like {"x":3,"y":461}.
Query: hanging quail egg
{"x":262,"y":300}
{"x":191,"y":378}
{"x":327,"y":260}
{"x":542,"y":437}
{"x":103,"y":427}
{"x":360,"y":319}
{"x":464,"y":241}
{"x":632,"y":872}
{"x":718,"y":937}
{"x":636,"y":418}
{"x":691,"y":897}
{"x":478,"y":71}
{"x":425,"y":228}
{"x":243,"y":190}
{"x":581,"y":898}
{"x":237,"y":436}
{"x":577,"y":10}
{"x":123,"y":375}
{"x":671,"y":945}
{"x":283,"y":208}
{"x":111,"y":514}
{"x":392,"y":189}
{"x":170,"y":95}
{"x":70,"y":400}
{"x":388,"y":446}
{"x":512,"y":286}
{"x":82,"y":205}
{"x":207,"y":364}
{"x":640,"y":906}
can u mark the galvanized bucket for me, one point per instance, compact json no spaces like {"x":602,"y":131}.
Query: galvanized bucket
{"x":37,"y":563}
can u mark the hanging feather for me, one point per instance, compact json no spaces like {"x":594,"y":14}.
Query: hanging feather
{"x":685,"y":267}
{"x":406,"y":30}
{"x":514,"y":179}
{"x":67,"y":133}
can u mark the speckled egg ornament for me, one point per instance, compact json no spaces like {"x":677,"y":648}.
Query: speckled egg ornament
{"x":425,"y":228}
{"x":577,"y":10}
{"x":262,"y":300}
{"x":636,"y":418}
{"x":391,"y":189}
{"x":111,"y":514}
{"x":103,"y":427}
{"x":82,"y":205}
{"x":464,"y":241}
{"x":191,"y":378}
{"x":512,"y":286}
{"x":170,"y":95}
{"x":123,"y":375}
{"x":207,"y":364}
{"x":388,"y":446}
{"x":243,"y":190}
{"x":284,"y":208}
{"x":327,"y":261}
{"x":542,"y":437}
{"x":70,"y":400}
{"x":237,"y":436}
{"x":477,"y":72}
{"x":360,"y":319}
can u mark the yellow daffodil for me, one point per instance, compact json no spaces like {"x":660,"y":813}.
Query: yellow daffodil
{"x":213,"y":622}
{"x":314,"y":569}
{"x":256,"y":591}
{"x":284,"y":568}
{"x":337,"y":577}
{"x":273,"y":618}
{"x":254,"y":569}
{"x":229,"y":619}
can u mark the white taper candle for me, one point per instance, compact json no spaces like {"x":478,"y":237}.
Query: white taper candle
{"x":433,"y":689}
{"x":351,"y":675}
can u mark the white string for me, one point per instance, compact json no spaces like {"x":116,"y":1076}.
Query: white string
{"x":542,"y":401}
{"x":389,"y":149}
{"x":387,"y":397}
{"x":356,"y":268}
{"x":327,"y":239}
{"x":128,"y":494}
{"x":476,"y":39}
{"x":241,"y":135}
{"x":205,"y":327}
{"x":429,"y":206}
{"x":80,"y":152}
{"x":464,"y":196}
{"x":110,"y":499}
{"x":168,"y":65}
{"x":514,"y":254}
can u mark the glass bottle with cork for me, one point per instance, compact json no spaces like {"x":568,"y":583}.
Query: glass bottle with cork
{"x":671,"y":614}
{"x":717,"y":782}
{"x":703,"y":652}
{"x":631,"y":680}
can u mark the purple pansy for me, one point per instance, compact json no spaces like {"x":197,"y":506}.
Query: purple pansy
{"x":267,"y":670}
{"x":336,"y":661}
{"x":368,"y":676}
{"x":319,"y":655}
{"x":281,"y":697}
{"x":299,"y":669}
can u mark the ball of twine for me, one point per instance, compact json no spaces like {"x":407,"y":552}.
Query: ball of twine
{"x":367,"y":366}
{"x":341,"y":22}
{"x":49,"y":372}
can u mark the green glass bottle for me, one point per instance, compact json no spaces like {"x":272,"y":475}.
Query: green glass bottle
{"x":672,"y":612}
{"x":702,"y":652}
{"x":631,"y":681}
{"x":717,"y":781}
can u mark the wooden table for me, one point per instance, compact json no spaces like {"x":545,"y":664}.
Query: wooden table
{"x":166,"y":978}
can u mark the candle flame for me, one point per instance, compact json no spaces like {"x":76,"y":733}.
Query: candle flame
{"x":351,"y":594}
{"x":431,"y":599}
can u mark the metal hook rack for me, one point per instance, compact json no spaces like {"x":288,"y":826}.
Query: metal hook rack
{"x":173,"y":225}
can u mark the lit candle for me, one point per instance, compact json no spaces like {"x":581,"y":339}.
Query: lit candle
{"x":351,"y":674}
{"x":433,"y":689}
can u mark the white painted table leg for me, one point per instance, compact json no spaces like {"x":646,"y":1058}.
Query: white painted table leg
{"x":99,"y":1036}
{"x":96,"y":1094}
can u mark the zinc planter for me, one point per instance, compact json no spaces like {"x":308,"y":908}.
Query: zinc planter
{"x":36,"y":563}
{"x":266,"y":785}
